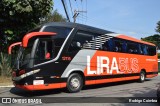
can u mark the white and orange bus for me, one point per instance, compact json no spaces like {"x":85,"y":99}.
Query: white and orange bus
{"x":72,"y":55}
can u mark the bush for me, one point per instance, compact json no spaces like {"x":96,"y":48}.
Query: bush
{"x":158,"y":55}
{"x":5,"y":65}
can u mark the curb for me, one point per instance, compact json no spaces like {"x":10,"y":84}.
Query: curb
{"x":7,"y":86}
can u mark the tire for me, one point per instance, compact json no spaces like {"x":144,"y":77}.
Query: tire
{"x":74,"y":83}
{"x":142,"y":76}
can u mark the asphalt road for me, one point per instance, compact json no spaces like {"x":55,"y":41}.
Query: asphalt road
{"x":119,"y":89}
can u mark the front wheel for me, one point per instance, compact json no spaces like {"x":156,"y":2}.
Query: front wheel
{"x":142,"y":76}
{"x":74,"y":83}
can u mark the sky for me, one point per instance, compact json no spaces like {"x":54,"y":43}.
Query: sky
{"x":135,"y":18}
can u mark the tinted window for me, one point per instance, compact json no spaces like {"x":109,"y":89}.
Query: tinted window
{"x":84,"y":40}
{"x":115,"y":45}
{"x":44,"y":51}
{"x":106,"y":46}
{"x":124,"y":46}
{"x":24,"y":55}
{"x":62,"y":32}
{"x":132,"y":48}
{"x":151,"y":50}
{"x":118,"y":45}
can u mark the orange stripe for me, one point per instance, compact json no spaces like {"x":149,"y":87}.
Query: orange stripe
{"x":91,"y":82}
{"x":33,"y":34}
{"x":110,"y":80}
{"x":133,"y":39}
{"x":42,"y":87}
{"x":12,"y":45}
{"x":151,"y":76}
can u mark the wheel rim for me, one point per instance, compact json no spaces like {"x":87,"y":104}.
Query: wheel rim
{"x":142,"y":77}
{"x":75,"y":83}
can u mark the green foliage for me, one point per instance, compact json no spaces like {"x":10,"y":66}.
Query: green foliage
{"x":153,"y":39}
{"x":158,"y":27}
{"x":19,"y":16}
{"x":55,"y":17}
{"x":5,"y":65}
{"x":159,"y":55}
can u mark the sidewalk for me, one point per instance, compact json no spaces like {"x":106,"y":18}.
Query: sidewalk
{"x":6,"y":85}
{"x":5,"y":82}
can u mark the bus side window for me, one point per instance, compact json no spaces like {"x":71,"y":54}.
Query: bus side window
{"x":82,"y":40}
{"x":105,"y":46}
{"x":132,"y":48}
{"x":49,"y":50}
{"x":152,"y":50}
{"x":124,"y":47}
{"x":110,"y":44}
{"x":118,"y":45}
{"x":140,"y":49}
{"x":75,"y":46}
{"x":144,"y":48}
{"x":40,"y":51}
{"x":44,"y":51}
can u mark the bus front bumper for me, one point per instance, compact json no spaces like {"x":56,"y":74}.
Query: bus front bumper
{"x":41,"y":87}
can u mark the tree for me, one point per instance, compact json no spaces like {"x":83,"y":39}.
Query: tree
{"x":153,"y":39}
{"x":158,"y":27}
{"x":55,"y":17}
{"x":18,"y":16}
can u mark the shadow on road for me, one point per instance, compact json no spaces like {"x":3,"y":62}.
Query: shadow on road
{"x":111,"y":84}
{"x":25,"y":93}
{"x":146,"y":92}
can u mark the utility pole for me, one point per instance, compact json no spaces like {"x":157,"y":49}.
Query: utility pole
{"x":64,"y":5}
{"x":75,"y":16}
{"x":76,"y":13}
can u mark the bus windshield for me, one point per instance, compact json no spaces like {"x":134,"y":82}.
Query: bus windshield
{"x":47,"y":47}
{"x":23,"y":57}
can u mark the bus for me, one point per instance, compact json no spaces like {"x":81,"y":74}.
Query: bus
{"x":71,"y":55}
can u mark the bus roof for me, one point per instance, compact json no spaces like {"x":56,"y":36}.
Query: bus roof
{"x":91,"y":29}
{"x":133,"y":39}
{"x":77,"y":25}
{"x":122,"y":36}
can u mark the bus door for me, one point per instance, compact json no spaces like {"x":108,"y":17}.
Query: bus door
{"x":45,"y":54}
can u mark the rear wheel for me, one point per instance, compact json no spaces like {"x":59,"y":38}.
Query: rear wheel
{"x":74,"y":83}
{"x":142,"y":76}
